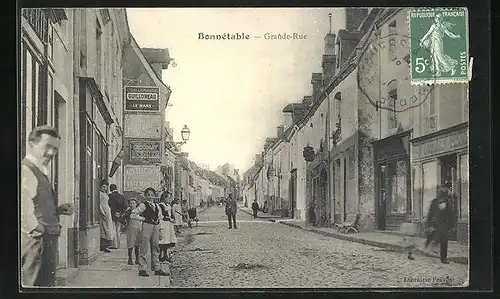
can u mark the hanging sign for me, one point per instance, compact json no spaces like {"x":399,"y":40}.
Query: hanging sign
{"x":145,"y":152}
{"x":142,"y":98}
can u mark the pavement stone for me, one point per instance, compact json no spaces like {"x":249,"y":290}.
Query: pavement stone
{"x":110,"y":270}
{"x":263,"y":254}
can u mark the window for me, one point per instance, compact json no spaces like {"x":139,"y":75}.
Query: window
{"x":430,"y":177}
{"x":98,"y":42}
{"x":392,"y":101}
{"x":50,"y":41}
{"x":398,"y":186}
{"x":464,"y":186}
{"x":338,"y":107}
{"x":431,"y":121}
{"x":392,"y":40}
{"x":38,"y":20}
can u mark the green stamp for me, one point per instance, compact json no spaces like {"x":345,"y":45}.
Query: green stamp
{"x":439,"y":44}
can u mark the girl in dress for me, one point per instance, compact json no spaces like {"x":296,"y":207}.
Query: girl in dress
{"x":177,"y":212}
{"x":133,"y":228}
{"x":167,"y":231}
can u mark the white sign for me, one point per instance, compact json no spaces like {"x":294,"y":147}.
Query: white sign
{"x":143,"y":126}
{"x":139,"y":177}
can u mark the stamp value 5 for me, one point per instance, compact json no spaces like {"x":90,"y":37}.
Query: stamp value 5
{"x":443,"y":34}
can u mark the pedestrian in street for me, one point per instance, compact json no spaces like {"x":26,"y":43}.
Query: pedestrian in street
{"x":167,"y":230}
{"x":118,"y":205}
{"x":106,"y":222}
{"x":312,"y":213}
{"x":409,"y":230}
{"x":231,"y":210}
{"x":255,"y":208}
{"x":40,"y":211}
{"x":150,"y":236}
{"x":177,"y":211}
{"x":438,"y":221}
{"x":133,"y":224}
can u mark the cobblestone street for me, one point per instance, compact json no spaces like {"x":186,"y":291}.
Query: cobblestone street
{"x":264,"y":254}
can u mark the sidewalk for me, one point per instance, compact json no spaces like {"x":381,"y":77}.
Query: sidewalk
{"x":456,"y":252}
{"x":259,"y":214}
{"x":110,"y":270}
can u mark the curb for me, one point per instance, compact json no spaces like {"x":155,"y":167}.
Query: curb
{"x":271,"y":218}
{"x":458,"y":260}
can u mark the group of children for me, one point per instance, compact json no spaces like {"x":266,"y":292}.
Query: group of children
{"x":169,"y":227}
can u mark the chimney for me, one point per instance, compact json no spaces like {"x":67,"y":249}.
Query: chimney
{"x":317,"y":82}
{"x":307,"y":101}
{"x":280,"y":132}
{"x":354,"y":16}
{"x":257,"y":159}
{"x":330,"y":44}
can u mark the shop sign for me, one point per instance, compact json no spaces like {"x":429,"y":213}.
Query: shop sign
{"x":142,"y":98}
{"x":139,"y":177}
{"x":145,"y":152}
{"x":143,"y":126}
{"x":443,"y":144}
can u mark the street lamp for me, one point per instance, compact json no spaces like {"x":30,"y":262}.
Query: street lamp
{"x":185,"y":132}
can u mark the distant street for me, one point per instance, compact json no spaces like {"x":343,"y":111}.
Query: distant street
{"x":264,"y":254}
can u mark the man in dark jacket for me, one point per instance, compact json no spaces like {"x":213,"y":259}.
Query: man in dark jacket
{"x":231,"y":209}
{"x":255,"y":208}
{"x":439,"y":220}
{"x":118,"y":205}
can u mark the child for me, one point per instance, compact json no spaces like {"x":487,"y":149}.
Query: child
{"x":134,"y":227}
{"x":409,"y":230}
{"x":167,"y":231}
{"x":177,"y":212}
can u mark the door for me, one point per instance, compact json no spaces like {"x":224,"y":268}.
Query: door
{"x":292,"y":192}
{"x":382,"y":197}
{"x":449,"y":177}
{"x":323,"y":191}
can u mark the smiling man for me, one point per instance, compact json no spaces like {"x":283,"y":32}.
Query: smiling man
{"x":40,"y":212}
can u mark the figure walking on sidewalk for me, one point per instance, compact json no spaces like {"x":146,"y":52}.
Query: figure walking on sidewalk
{"x":118,"y":205}
{"x":40,"y":212}
{"x":231,"y":209}
{"x":150,"y":237}
{"x":438,"y":221}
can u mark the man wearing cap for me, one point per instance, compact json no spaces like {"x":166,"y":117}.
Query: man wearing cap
{"x":40,"y":211}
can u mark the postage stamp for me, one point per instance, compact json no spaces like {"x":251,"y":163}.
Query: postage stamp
{"x":444,"y":33}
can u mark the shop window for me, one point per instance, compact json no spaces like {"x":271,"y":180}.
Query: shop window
{"x":464,"y":186}
{"x":430,"y":178}
{"x":392,"y":40}
{"x":398,"y":188}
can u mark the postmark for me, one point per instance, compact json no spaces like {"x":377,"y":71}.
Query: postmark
{"x":383,"y":75}
{"x":444,"y":33}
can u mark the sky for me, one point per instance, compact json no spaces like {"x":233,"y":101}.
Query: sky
{"x":230,"y":93}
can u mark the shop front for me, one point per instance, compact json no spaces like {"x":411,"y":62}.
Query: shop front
{"x":392,"y":180}
{"x":442,"y":158}
{"x":317,"y":188}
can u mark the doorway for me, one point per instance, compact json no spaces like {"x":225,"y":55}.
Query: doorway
{"x":323,"y":201}
{"x":293,"y":192}
{"x":449,"y":177}
{"x":382,"y":198}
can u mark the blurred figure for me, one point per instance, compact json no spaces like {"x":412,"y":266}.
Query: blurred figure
{"x":255,"y":208}
{"x":438,"y":221}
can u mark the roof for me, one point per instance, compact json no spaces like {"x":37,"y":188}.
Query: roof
{"x":156,"y":55}
{"x":290,"y":108}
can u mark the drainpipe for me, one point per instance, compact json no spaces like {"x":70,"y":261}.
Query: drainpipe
{"x":329,"y":177}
